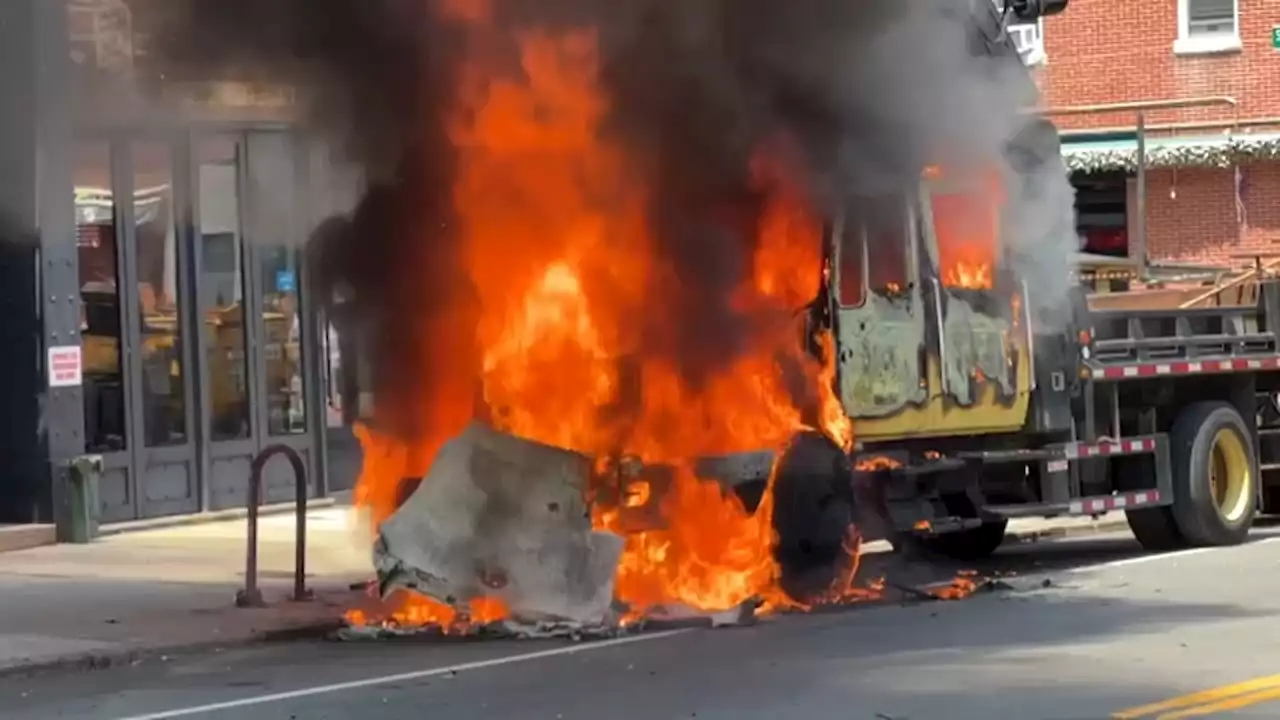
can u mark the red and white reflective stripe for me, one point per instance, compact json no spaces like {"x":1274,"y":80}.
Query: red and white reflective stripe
{"x":1184,"y":367}
{"x":1121,"y":447}
{"x":1091,"y":506}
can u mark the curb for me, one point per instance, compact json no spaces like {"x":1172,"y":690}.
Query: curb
{"x":210,"y":517}
{"x":25,"y":537}
{"x":1097,"y":528}
{"x":116,"y":657}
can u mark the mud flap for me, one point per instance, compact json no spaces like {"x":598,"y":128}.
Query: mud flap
{"x":502,"y":517}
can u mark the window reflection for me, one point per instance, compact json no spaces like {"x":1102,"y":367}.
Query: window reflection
{"x":281,"y":318}
{"x":104,"y":399}
{"x":163,"y":400}
{"x":222,"y":288}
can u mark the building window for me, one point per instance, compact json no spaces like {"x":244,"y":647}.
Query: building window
{"x":1206,"y":26}
{"x":1029,"y":39}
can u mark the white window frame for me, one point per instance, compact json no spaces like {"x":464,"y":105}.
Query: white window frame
{"x":1188,"y":44}
{"x":1037,"y":56}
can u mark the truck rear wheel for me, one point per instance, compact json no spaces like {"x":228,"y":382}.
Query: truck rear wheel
{"x":1215,"y":474}
{"x":1155,"y":528}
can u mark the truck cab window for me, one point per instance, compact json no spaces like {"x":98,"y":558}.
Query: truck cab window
{"x":886,"y":238}
{"x":852,"y":270}
{"x":966,"y":227}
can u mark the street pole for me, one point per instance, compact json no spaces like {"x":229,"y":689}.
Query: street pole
{"x":1138,"y":245}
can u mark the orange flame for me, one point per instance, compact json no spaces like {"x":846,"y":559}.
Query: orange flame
{"x":561,"y":257}
{"x":876,"y":463}
{"x":967,"y":227}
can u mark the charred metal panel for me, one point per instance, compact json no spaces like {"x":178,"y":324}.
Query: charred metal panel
{"x":977,"y":352}
{"x":881,"y":346}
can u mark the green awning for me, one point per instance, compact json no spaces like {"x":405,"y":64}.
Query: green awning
{"x":1098,"y":153}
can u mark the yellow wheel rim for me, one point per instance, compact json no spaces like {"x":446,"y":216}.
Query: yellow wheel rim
{"x":1230,"y":475}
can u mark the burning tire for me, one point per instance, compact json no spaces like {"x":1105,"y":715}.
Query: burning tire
{"x":813,"y":513}
{"x":1215,"y":474}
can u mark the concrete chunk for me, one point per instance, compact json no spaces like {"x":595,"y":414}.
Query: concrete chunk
{"x":502,"y":517}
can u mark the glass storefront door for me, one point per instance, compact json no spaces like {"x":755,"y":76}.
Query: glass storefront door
{"x":157,"y":306}
{"x":193,"y":300}
{"x":136,"y":391}
{"x":251,"y":306}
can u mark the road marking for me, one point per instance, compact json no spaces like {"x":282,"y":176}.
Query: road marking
{"x":1139,"y":559}
{"x":1199,"y":703}
{"x":1235,"y":703}
{"x":401,"y":677}
{"x":1152,"y":557}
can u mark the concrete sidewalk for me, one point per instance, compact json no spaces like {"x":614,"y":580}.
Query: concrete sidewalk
{"x":171,"y":588}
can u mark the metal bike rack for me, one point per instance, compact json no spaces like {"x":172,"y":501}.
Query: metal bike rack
{"x":251,"y":595}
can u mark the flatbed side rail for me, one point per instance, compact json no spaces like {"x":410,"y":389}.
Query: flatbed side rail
{"x":1055,"y":466}
{"x":1059,"y":491}
{"x":1094,"y":370}
{"x":1125,"y":336}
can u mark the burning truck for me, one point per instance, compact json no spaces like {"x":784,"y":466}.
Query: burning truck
{"x":659,"y":315}
{"x":669,"y":306}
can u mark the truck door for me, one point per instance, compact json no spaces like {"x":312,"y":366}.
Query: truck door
{"x":931,"y":330}
{"x":879,"y":316}
{"x":983,"y":379}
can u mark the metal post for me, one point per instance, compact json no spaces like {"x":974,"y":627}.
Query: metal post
{"x":251,"y":595}
{"x":1115,"y":412}
{"x":1138,"y":244}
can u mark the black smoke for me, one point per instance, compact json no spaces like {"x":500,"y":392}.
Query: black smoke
{"x":866,"y":92}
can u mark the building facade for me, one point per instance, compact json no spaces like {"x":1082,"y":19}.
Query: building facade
{"x":156,"y":309}
{"x":1201,"y":73}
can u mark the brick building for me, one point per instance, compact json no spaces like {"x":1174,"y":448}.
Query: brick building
{"x":1208,"y":75}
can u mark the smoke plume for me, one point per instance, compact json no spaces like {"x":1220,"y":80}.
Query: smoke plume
{"x":860,"y":96}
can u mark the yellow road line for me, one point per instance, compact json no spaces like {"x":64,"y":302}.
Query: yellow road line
{"x":1212,"y":695}
{"x":1232,"y":703}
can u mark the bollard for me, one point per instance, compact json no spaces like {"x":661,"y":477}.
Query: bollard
{"x":251,"y":594}
{"x":82,"y":485}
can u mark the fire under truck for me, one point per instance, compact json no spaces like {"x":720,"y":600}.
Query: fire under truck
{"x":970,"y":409}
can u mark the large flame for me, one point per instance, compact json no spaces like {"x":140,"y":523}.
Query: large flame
{"x":966,"y":220}
{"x":562,"y":259}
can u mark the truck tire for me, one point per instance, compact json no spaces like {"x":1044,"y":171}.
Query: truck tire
{"x":967,"y":545}
{"x":1215,"y":474}
{"x":813,"y":513}
{"x":1155,"y":528}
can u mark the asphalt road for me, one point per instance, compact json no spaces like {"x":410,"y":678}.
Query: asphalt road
{"x":1086,"y":629}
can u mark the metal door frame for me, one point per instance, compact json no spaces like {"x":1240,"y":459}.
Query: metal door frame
{"x":221,"y":449}
{"x":137,"y":458}
{"x":305,"y":443}
{"x":117,"y":459}
{"x":211,"y":451}
{"x":144,"y":457}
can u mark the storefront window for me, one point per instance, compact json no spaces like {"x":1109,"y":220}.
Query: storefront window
{"x":221,"y":284}
{"x":104,"y":393}
{"x":282,"y":320}
{"x":163,"y":399}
